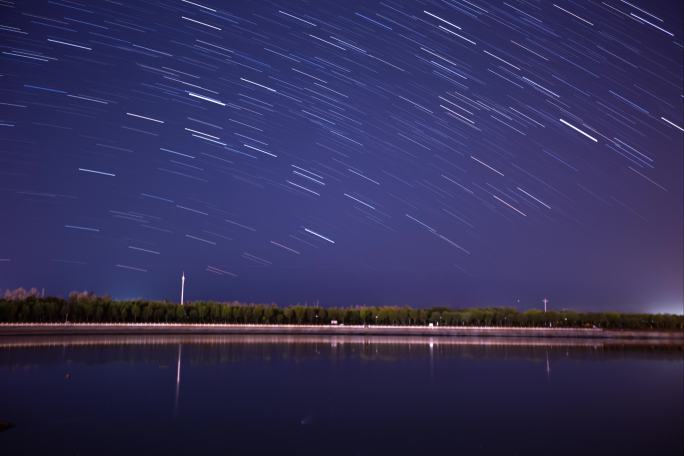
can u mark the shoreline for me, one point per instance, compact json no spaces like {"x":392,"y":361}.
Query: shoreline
{"x":67,"y":329}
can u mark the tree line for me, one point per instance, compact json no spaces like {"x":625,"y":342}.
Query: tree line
{"x":88,"y":308}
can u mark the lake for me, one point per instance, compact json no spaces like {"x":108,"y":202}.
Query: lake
{"x":348,"y":395}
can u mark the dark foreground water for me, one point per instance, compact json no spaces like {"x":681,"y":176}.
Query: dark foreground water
{"x":338,"y":395}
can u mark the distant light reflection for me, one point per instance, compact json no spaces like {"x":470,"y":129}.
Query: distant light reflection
{"x":178,"y":376}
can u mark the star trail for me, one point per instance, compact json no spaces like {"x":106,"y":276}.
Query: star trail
{"x":426,"y":152}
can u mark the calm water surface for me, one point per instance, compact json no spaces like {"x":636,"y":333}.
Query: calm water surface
{"x":338,"y":395}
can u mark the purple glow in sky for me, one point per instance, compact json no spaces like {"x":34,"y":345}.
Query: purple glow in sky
{"x":425,"y":153}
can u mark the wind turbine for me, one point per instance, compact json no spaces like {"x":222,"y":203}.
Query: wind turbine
{"x":182,"y":287}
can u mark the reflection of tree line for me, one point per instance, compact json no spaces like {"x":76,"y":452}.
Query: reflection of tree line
{"x":309,"y":339}
{"x":274,"y":351}
{"x":85,"y":307}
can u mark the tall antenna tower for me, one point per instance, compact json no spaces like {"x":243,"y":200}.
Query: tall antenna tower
{"x":182,"y":287}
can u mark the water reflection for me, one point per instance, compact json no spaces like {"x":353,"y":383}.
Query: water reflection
{"x":548,"y":366}
{"x":178,"y":376}
{"x":24,"y":351}
{"x":267,"y":394}
{"x":331,"y":340}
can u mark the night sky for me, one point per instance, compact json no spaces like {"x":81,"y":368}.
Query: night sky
{"x":455,"y":152}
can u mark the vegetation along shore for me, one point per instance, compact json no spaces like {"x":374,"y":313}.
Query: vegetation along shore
{"x":88,"y":308}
